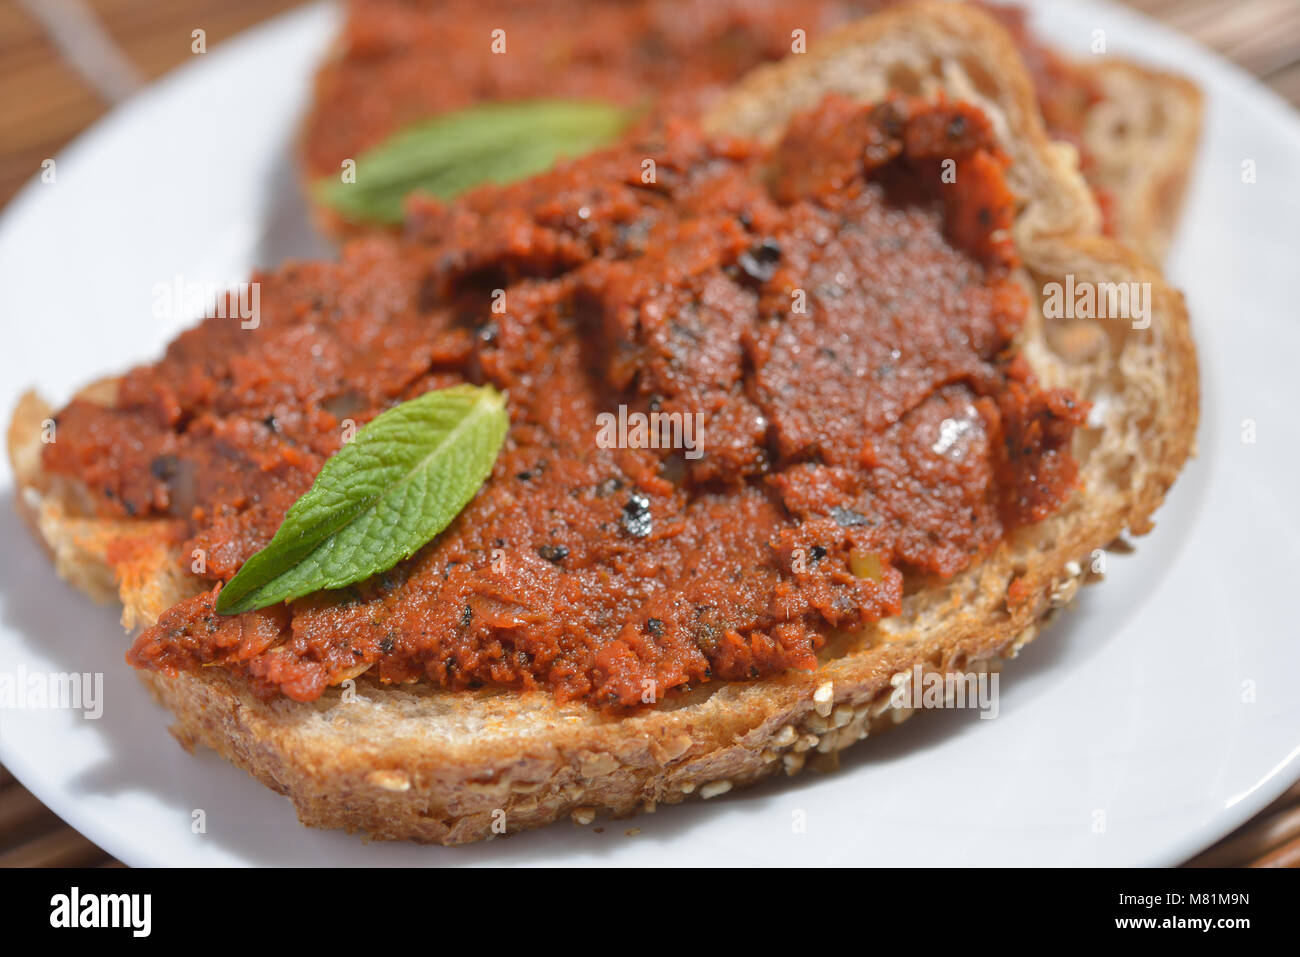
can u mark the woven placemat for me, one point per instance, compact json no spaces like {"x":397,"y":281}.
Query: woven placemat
{"x":47,"y":101}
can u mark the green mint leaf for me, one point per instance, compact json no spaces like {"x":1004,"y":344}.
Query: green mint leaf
{"x":489,"y":143}
{"x":379,"y":499}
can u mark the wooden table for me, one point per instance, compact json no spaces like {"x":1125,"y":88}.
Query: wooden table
{"x":122,"y":44}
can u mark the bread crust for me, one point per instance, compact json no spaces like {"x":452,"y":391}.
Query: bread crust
{"x":426,"y":764}
{"x":1141,"y":139}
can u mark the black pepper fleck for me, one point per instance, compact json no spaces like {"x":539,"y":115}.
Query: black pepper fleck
{"x":164,"y":467}
{"x":553,"y":553}
{"x":759,"y":262}
{"x":637,"y":520}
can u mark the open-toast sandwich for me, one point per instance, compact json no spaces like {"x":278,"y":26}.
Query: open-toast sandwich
{"x":420,"y":762}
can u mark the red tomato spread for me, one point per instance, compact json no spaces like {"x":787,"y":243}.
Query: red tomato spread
{"x":401,"y":61}
{"x":840,"y":317}
{"x":398,"y":62}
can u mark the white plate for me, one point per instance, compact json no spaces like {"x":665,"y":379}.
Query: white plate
{"x":1161,"y":707}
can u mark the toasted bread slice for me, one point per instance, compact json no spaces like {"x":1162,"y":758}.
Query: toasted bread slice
{"x":1138,"y":127}
{"x":421,"y":763}
{"x":1140,"y":138}
{"x":954,"y":51}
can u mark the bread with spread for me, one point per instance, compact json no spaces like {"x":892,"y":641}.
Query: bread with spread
{"x":906,"y":464}
{"x":394,"y":65}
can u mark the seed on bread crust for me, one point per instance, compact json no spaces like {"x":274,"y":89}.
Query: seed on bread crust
{"x":714,"y":788}
{"x":824,"y":697}
{"x":390,"y":780}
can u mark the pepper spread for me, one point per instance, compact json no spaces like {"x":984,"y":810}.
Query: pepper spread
{"x":841,"y":318}
{"x":402,"y":61}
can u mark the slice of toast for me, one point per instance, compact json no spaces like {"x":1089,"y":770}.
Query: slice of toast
{"x":1140,"y":139}
{"x":1139,"y":136}
{"x":421,"y":763}
{"x":1137,"y":127}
